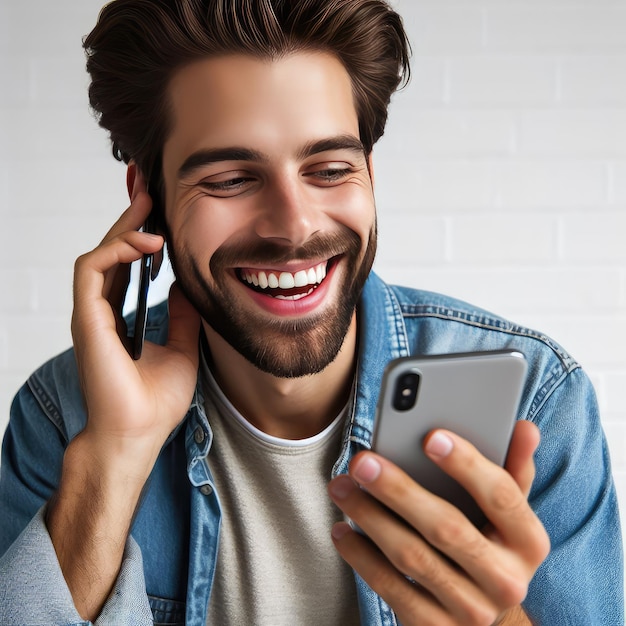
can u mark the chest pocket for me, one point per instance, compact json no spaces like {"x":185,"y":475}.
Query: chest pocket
{"x":167,"y":612}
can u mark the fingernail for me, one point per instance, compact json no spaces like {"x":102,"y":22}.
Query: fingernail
{"x":341,"y":487}
{"x":340,"y":530}
{"x":439,"y":445}
{"x":366,"y":470}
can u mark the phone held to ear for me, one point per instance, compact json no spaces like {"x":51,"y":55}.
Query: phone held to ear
{"x":150,"y":265}
{"x":475,"y":395}
{"x":146,"y":275}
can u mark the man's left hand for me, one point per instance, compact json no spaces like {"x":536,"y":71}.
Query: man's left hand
{"x":422,"y":555}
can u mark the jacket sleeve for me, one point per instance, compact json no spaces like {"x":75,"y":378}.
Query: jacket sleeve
{"x":34,"y":591}
{"x":581,"y":581}
{"x":32,"y":587}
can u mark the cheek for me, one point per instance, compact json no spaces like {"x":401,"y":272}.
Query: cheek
{"x":356,"y":210}
{"x":202,"y":228}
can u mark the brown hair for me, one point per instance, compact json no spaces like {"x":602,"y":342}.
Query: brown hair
{"x":137,"y":45}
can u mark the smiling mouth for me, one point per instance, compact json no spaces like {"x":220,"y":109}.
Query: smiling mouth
{"x":285,"y":285}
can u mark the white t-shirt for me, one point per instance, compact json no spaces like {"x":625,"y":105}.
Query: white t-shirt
{"x":276,"y":563}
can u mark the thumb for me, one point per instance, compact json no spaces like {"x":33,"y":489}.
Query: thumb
{"x":519,"y":461}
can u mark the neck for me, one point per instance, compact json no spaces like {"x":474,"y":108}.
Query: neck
{"x":290,"y":408}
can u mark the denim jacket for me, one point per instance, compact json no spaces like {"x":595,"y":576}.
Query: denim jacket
{"x":169,"y":561}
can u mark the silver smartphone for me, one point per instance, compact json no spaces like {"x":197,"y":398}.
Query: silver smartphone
{"x":475,"y":395}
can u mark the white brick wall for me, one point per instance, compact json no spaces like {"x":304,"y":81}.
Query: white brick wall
{"x":506,"y":157}
{"x":507,"y":154}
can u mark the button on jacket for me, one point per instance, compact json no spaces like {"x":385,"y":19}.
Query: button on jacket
{"x":169,"y":561}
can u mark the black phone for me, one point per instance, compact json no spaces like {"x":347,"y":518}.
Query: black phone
{"x":148,"y":271}
{"x":475,"y":395}
{"x":141,"y":312}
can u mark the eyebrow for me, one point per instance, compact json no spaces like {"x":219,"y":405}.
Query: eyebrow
{"x":205,"y":157}
{"x":340,"y":142}
{"x":214,"y":155}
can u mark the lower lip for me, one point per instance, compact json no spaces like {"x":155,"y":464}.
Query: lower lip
{"x":294,"y":308}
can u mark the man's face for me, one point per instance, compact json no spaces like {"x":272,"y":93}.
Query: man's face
{"x":269,"y":205}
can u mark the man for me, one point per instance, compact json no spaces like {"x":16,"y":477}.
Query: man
{"x":189,"y":486}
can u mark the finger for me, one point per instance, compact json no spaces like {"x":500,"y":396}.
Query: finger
{"x":412,"y":604}
{"x":93,"y":312}
{"x":134,"y":217}
{"x":184,"y":324}
{"x":124,"y":249}
{"x":117,"y":286}
{"x":410,"y":554}
{"x":519,"y":461}
{"x":495,"y":491}
{"x":118,"y":290}
{"x":117,"y":281}
{"x":495,"y":568}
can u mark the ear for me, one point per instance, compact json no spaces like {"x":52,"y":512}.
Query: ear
{"x":135,"y":182}
{"x":131,"y":174}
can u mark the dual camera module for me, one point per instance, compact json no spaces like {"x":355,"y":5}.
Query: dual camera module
{"x":405,"y":392}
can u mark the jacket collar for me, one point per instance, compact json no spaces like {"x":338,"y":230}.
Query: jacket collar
{"x":382,"y":337}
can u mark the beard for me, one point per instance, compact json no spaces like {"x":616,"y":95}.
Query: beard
{"x":285,"y":348}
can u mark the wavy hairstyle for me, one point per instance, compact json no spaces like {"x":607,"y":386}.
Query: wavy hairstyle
{"x":137,"y":45}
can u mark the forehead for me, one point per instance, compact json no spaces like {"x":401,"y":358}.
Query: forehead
{"x":243,"y":100}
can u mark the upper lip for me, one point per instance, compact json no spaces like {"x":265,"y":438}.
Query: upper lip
{"x":291,"y":266}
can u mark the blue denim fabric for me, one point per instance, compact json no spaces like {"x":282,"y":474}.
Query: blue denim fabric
{"x":170,"y":558}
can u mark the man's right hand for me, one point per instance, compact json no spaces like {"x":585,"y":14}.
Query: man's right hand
{"x":132,"y":407}
{"x":130,"y":402}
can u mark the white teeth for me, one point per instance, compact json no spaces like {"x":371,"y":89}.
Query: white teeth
{"x":286,"y":280}
{"x":300,"y":279}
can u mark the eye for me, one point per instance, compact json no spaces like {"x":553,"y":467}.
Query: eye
{"x":331,"y":175}
{"x":226,"y":185}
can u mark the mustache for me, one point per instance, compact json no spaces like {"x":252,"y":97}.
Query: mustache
{"x":264,"y":252}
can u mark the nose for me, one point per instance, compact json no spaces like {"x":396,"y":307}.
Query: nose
{"x":287,"y":213}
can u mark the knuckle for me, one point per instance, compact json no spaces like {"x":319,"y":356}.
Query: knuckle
{"x":381,"y":578}
{"x":506,"y":497}
{"x":410,"y":559}
{"x":480,"y":614}
{"x":466,"y":458}
{"x":512,"y":591}
{"x":419,"y":563}
{"x":476,"y":547}
{"x":450,"y":531}
{"x":509,"y":587}
{"x":80,"y":262}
